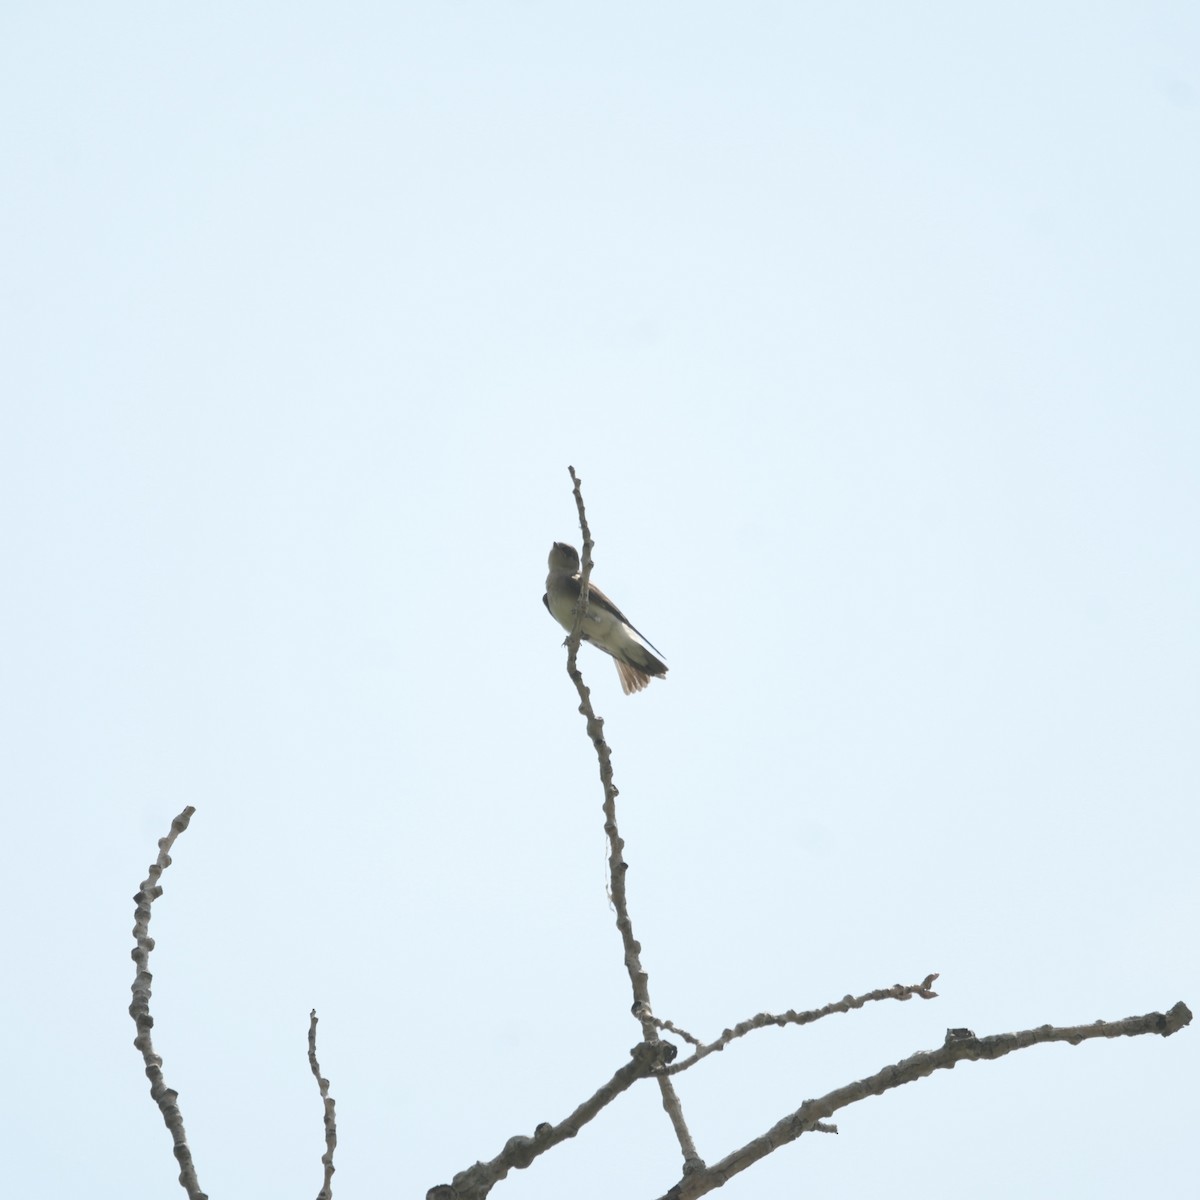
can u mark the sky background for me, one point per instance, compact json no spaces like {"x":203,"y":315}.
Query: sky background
{"x":872,"y":332}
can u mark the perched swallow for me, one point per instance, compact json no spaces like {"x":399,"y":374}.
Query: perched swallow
{"x":604,"y":624}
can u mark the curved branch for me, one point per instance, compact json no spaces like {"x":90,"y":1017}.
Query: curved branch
{"x":899,"y":991}
{"x":960,"y":1045}
{"x":139,"y":1009}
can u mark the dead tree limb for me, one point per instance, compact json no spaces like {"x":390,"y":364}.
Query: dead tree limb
{"x":326,"y":1191}
{"x":899,"y":991}
{"x":520,"y":1151}
{"x":617,"y":866}
{"x":166,"y":1098}
{"x":961,"y":1045}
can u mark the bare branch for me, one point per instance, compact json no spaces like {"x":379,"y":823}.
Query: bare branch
{"x":520,"y":1151}
{"x":617,"y":866}
{"x":671,"y":1027}
{"x":960,"y":1045}
{"x":326,"y":1191}
{"x":139,"y":1009}
{"x":585,"y":585}
{"x":899,"y":991}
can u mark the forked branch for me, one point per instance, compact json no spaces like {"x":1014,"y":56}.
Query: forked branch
{"x":520,"y":1151}
{"x":653,"y":1058}
{"x":899,"y":991}
{"x":961,"y":1045}
{"x":617,"y":867}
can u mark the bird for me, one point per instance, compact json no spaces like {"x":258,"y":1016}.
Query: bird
{"x":604,"y":624}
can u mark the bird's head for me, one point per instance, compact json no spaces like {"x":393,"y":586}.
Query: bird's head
{"x":564,"y":558}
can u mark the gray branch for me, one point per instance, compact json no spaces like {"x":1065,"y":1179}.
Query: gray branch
{"x":166,"y":1098}
{"x":617,"y":865}
{"x":520,"y":1151}
{"x":899,"y":991}
{"x":654,"y":1056}
{"x":961,"y":1045}
{"x":326,"y":1191}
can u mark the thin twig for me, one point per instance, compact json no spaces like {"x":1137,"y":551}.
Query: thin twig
{"x":326,"y":1191}
{"x":671,"y":1027}
{"x":617,"y":866}
{"x":166,"y":1098}
{"x":520,"y":1151}
{"x":899,"y":991}
{"x":960,"y":1045}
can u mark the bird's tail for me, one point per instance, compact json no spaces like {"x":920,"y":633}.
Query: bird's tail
{"x":633,"y":679}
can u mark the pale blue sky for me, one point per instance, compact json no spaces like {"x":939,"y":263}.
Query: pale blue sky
{"x":872,"y":331}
